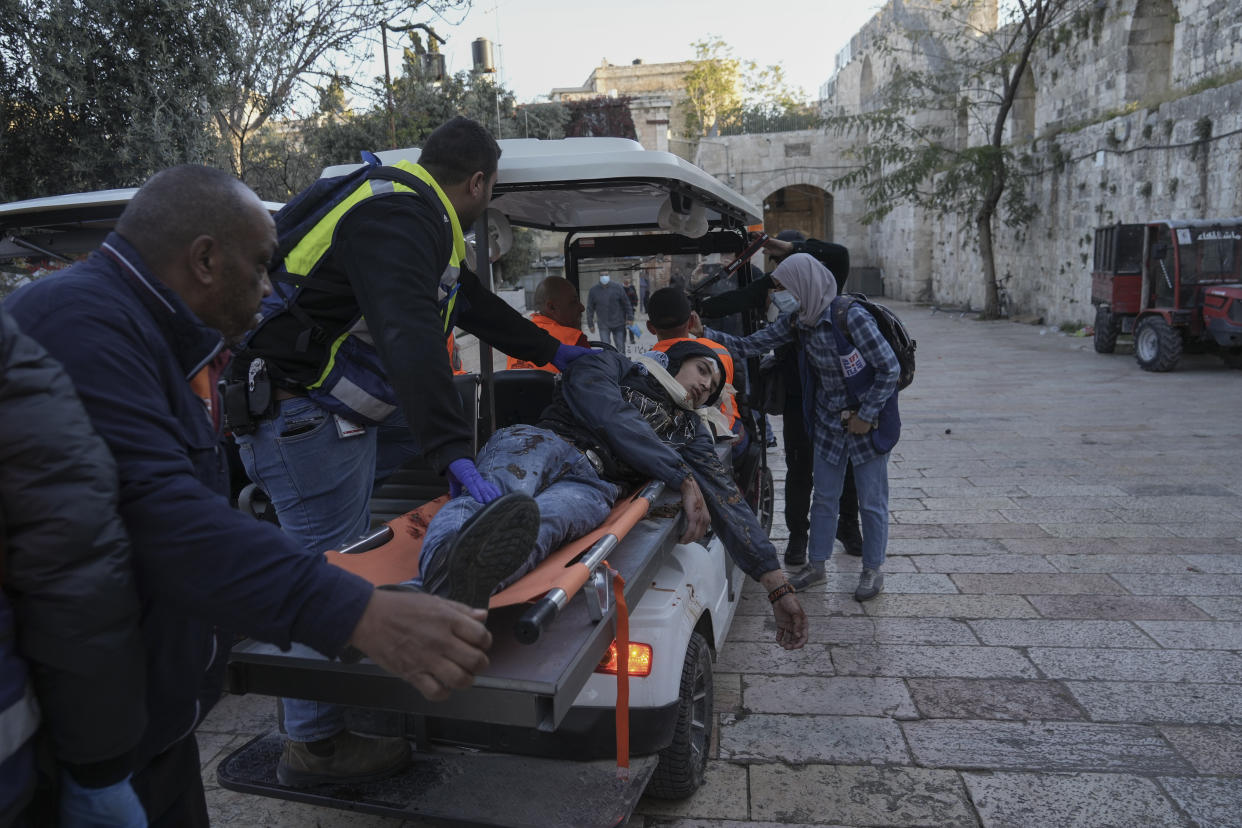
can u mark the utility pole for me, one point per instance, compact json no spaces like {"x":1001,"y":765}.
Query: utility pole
{"x":433,"y":41}
{"x":392,"y":118}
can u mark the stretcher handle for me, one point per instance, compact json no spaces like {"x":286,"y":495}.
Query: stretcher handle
{"x":533,"y":622}
{"x":542,"y":612}
{"x":366,"y":543}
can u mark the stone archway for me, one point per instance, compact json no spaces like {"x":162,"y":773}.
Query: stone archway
{"x":804,"y":207}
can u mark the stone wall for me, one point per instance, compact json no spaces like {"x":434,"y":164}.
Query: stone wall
{"x":1131,"y":113}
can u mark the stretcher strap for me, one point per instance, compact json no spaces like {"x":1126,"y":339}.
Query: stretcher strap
{"x":623,"y":676}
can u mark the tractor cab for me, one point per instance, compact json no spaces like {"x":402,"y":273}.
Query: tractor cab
{"x":1175,"y":285}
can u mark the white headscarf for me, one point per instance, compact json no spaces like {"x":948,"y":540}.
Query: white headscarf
{"x":810,"y":282}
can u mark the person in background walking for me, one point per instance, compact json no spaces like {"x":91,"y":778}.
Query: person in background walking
{"x":632,"y":295}
{"x":607,"y":302}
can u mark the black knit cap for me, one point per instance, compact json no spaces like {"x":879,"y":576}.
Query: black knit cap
{"x":791,"y":235}
{"x":668,"y":308}
{"x":679,"y":353}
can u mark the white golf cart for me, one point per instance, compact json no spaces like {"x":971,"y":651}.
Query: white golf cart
{"x":533,"y":743}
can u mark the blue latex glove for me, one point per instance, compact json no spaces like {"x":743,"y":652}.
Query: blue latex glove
{"x":566,"y":354}
{"x":463,"y":475}
{"x":115,"y":805}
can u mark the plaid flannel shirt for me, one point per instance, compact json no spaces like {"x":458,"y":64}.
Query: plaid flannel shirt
{"x":828,"y":434}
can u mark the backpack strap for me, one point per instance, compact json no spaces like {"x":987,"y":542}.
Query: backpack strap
{"x":840,"y":315}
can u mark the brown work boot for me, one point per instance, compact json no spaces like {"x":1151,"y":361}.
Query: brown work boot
{"x":345,"y":757}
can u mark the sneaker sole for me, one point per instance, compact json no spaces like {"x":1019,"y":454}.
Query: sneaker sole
{"x":490,"y":547}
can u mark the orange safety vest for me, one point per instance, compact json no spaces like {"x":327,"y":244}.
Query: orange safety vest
{"x":728,"y":406}
{"x":454,"y":357}
{"x":563,"y":333}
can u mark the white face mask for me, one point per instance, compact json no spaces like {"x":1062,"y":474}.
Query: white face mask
{"x":783,"y":302}
{"x":603,"y":280}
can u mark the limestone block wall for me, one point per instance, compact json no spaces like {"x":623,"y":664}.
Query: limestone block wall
{"x":1182,"y":160}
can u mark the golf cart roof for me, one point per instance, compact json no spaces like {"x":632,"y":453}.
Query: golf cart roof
{"x":64,"y":225}
{"x":599,"y":184}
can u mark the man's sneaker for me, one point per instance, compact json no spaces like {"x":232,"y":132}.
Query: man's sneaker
{"x":850,"y":538}
{"x":490,"y":547}
{"x":345,"y":757}
{"x":808,"y":576}
{"x":870,"y":584}
{"x":795,"y":551}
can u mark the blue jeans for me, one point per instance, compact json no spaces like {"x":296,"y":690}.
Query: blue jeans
{"x":320,"y":485}
{"x":617,"y":335}
{"x":572,"y":498}
{"x":871,"y":480}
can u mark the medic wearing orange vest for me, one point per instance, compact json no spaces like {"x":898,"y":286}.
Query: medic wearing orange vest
{"x":559,"y":312}
{"x":670,"y":320}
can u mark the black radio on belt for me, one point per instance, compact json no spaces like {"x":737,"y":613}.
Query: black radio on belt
{"x":248,"y":399}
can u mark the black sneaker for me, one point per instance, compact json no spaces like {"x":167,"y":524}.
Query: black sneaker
{"x":870,"y":584}
{"x":795,"y":551}
{"x":345,"y":757}
{"x":850,"y":538}
{"x":490,"y":547}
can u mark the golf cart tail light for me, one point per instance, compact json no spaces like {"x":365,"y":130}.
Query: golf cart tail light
{"x":641,"y":656}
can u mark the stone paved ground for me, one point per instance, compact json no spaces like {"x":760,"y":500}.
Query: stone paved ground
{"x":1060,"y":640}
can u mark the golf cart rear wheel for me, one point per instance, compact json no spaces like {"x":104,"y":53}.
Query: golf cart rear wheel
{"x":1107,"y":326}
{"x":1157,"y":345}
{"x":683,"y":763}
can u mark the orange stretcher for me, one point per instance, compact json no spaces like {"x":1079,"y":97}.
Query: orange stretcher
{"x":390,"y":555}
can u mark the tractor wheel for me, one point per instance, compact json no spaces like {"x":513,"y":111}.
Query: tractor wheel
{"x":1107,"y":326}
{"x":683,"y":763}
{"x":1232,"y":357}
{"x":1157,"y":345}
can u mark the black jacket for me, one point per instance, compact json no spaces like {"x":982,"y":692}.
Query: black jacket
{"x":66,"y":565}
{"x":392,"y":251}
{"x":605,"y":403}
{"x":833,"y":256}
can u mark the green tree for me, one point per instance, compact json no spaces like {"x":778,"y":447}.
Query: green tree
{"x":99,"y":94}
{"x":951,"y":64}
{"x":713,"y":87}
{"x":289,"y":48}
{"x":728,"y":95}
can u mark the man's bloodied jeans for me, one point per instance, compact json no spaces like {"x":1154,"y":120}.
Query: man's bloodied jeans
{"x":572,"y":498}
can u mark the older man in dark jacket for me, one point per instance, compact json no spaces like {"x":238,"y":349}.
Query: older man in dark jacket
{"x":140,"y":327}
{"x":69,"y":602}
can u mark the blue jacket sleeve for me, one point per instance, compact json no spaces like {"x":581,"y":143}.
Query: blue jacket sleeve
{"x":593,"y":393}
{"x":732,"y":518}
{"x":190,"y":547}
{"x":760,"y":342}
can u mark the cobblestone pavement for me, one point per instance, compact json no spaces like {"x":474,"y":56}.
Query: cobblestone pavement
{"x":1060,"y":638}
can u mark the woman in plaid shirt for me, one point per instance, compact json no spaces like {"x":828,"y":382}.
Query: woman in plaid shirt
{"x":849,"y":398}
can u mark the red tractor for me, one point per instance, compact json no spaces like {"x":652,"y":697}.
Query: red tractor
{"x":1175,"y":285}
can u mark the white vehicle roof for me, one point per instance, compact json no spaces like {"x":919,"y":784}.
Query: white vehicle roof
{"x":595,"y":184}
{"x":64,"y":225}
{"x":571,"y":184}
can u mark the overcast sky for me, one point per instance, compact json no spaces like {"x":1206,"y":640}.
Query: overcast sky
{"x":542,"y":44}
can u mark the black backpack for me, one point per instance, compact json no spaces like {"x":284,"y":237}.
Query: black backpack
{"x":890,"y":327}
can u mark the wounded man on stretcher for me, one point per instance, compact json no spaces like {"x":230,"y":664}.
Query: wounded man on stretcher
{"x":613,"y":424}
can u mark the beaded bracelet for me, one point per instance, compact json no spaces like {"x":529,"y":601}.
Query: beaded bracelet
{"x":781,"y":591}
